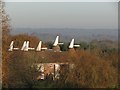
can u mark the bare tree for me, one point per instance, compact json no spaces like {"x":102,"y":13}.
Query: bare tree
{"x":0,"y":44}
{"x":5,"y":38}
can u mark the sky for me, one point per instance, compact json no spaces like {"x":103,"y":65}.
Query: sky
{"x":63,"y":14}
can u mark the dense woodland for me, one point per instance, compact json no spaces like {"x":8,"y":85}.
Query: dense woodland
{"x":96,"y":65}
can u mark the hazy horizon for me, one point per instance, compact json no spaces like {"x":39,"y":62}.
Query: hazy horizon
{"x":87,"y":20}
{"x":67,"y":34}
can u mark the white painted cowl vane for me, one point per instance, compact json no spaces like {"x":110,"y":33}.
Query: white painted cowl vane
{"x":72,"y":44}
{"x":57,"y":42}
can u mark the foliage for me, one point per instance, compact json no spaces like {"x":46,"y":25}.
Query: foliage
{"x":64,"y":47}
{"x":84,"y":45}
{"x":95,"y":66}
{"x":5,"y":41}
{"x":91,"y":71}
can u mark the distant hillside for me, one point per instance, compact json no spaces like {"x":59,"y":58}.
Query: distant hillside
{"x":49,"y":34}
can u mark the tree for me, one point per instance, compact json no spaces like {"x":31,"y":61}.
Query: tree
{"x":91,"y":72}
{"x":64,"y":47}
{"x":21,"y":75}
{"x":5,"y":41}
{"x":84,"y":45}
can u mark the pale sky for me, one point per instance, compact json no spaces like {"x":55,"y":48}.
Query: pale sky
{"x":63,"y":15}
